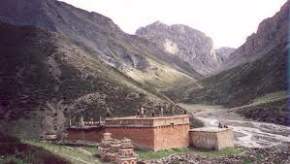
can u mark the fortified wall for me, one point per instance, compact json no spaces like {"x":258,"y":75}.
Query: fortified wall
{"x":153,"y":133}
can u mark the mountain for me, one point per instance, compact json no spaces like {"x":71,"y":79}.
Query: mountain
{"x":262,"y":73}
{"x":223,"y":54}
{"x":48,"y":78}
{"x":185,"y":43}
{"x":132,"y":55}
{"x":271,"y":33}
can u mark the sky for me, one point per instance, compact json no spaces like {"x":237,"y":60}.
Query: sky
{"x":227,"y":22}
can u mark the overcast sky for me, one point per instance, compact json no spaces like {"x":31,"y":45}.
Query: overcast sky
{"x":227,"y":22}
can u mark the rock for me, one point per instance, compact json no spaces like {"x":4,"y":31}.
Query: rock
{"x":188,"y":44}
{"x":223,"y":54}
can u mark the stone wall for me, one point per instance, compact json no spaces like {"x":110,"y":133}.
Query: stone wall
{"x":225,"y":139}
{"x":141,"y":137}
{"x":175,"y":136}
{"x":154,"y":138}
{"x":85,"y":134}
{"x":211,"y":138}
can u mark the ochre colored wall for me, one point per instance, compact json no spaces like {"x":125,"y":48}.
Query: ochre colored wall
{"x":154,"y":138}
{"x":85,"y":135}
{"x":171,"y":137}
{"x":141,"y":137}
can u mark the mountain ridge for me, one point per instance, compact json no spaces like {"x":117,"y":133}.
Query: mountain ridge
{"x":262,"y":69}
{"x":190,"y":45}
{"x":105,"y":39}
{"x":47,"y":75}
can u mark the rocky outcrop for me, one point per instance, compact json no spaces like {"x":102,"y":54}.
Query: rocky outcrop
{"x":185,"y":43}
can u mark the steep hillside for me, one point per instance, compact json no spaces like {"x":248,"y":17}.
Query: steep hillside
{"x":106,"y":41}
{"x":46,"y":77}
{"x":14,"y":151}
{"x":266,"y":74}
{"x":241,"y":84}
{"x":265,"y":71}
{"x":275,"y":112}
{"x":271,"y":33}
{"x":182,"y":42}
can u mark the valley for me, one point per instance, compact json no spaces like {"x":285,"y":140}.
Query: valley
{"x":64,"y":67}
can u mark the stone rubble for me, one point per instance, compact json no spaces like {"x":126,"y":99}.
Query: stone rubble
{"x":276,"y":155}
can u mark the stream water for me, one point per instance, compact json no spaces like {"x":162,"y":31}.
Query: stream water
{"x":247,"y":133}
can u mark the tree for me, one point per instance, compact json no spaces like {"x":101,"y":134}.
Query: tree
{"x":54,"y":119}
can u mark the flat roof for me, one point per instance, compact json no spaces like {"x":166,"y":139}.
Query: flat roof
{"x":134,"y":121}
{"x":147,"y":118}
{"x":85,"y":128}
{"x":209,"y":129}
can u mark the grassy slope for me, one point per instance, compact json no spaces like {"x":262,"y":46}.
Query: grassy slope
{"x":75,"y":155}
{"x":14,"y":151}
{"x":258,"y":89}
{"x":159,"y":70}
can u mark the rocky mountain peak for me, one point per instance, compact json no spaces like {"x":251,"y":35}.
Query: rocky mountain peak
{"x":186,"y":43}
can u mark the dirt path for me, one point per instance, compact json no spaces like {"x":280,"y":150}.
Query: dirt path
{"x":247,"y":133}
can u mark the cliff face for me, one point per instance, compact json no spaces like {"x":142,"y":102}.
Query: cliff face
{"x":271,"y":32}
{"x":185,"y":43}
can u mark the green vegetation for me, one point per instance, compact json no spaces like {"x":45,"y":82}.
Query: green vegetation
{"x":146,"y":155}
{"x":244,"y":83}
{"x":13,"y":151}
{"x":76,"y":155}
{"x":271,"y":111}
{"x":247,"y":161}
{"x":59,"y":70}
{"x":271,"y":97}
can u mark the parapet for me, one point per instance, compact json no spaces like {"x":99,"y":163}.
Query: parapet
{"x":147,"y":121}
